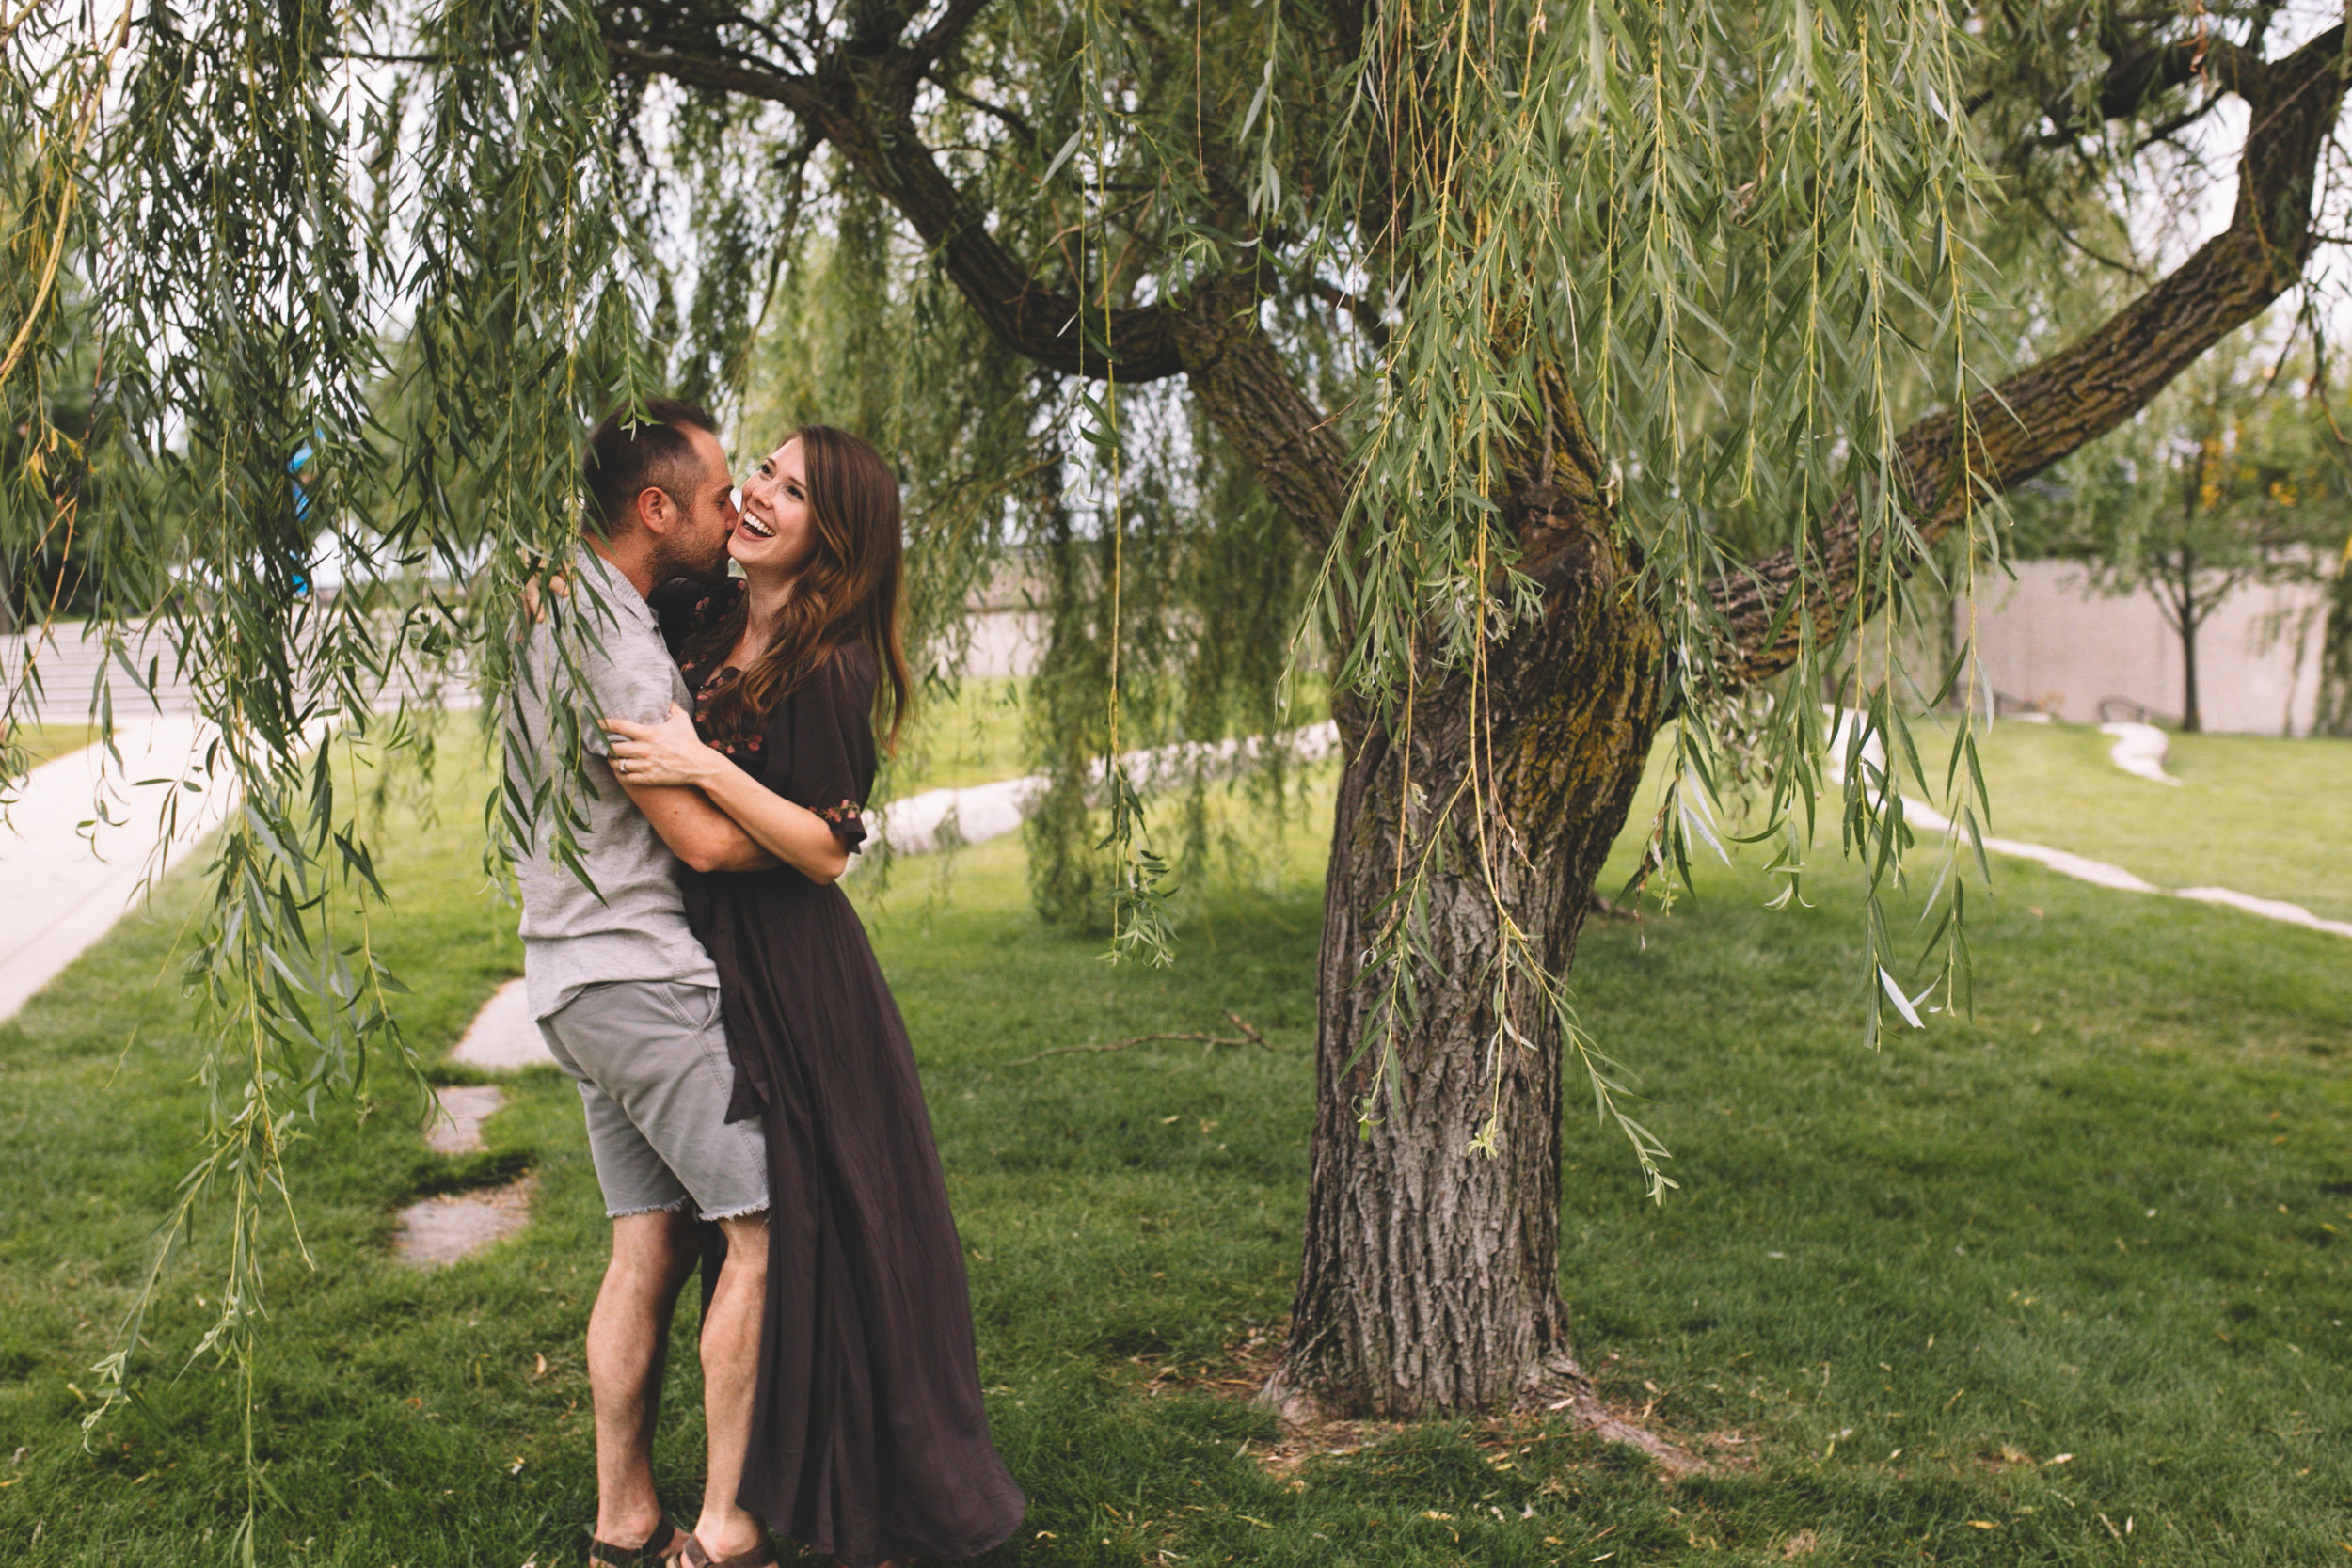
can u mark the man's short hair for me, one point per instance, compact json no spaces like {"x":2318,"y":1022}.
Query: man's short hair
{"x":638,"y":446}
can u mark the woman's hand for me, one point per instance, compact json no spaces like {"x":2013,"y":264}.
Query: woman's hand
{"x":669,"y":753}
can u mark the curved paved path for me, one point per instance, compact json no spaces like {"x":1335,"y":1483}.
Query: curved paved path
{"x":2140,"y":751}
{"x":2082,"y":867}
{"x":66,"y":876}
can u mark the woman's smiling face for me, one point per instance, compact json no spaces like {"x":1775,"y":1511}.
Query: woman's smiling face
{"x":776,"y":532}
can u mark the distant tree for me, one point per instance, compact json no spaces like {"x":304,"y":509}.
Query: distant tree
{"x":47,"y":511}
{"x":2335,"y":659}
{"x":2229,"y":478}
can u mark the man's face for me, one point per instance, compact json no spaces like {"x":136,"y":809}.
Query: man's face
{"x":695,"y":544}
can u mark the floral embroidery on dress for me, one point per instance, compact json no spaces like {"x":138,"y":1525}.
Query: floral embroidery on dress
{"x":847,"y":822}
{"x":730,"y":745}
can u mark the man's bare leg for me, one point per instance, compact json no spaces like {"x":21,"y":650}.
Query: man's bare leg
{"x":629,"y":1332}
{"x":730,"y":1351}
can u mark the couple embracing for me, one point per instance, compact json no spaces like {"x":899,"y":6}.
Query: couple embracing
{"x":751,"y":1095}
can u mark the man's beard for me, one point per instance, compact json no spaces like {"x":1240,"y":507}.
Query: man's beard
{"x":674,"y":561}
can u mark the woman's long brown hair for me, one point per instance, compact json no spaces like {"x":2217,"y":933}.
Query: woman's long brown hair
{"x":847,"y":591}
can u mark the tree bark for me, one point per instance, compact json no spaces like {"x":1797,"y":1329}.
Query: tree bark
{"x":1430,"y":1276}
{"x":2191,"y":616}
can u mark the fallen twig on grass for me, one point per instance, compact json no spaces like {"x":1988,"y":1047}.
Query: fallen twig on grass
{"x":1243,"y":1024}
{"x":1204,"y":1038}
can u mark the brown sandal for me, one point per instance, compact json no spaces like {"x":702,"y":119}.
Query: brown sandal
{"x":761,"y":1556}
{"x":659,"y":1547}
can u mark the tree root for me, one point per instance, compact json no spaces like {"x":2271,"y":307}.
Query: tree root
{"x":1556,"y":1386}
{"x":1295,"y":1408}
{"x":1560,"y":1387}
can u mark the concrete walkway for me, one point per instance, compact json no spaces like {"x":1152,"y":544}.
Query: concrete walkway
{"x":503,"y":1037}
{"x":440,"y":1231}
{"x":2140,"y":750}
{"x":1924,"y":817}
{"x":85,"y":839}
{"x":437,"y":1232}
{"x":2084,"y":869}
{"x":67,"y":877}
{"x":936,"y":818}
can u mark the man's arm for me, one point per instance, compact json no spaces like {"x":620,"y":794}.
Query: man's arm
{"x":632,"y":676}
{"x":697,"y":832}
{"x":670,"y":754}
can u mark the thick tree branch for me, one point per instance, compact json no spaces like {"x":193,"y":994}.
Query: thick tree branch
{"x":945,"y":34}
{"x":652,"y":58}
{"x":2049,"y":410}
{"x":1076,"y":337}
{"x":2137,"y":72}
{"x":864,"y":105}
{"x":1245,"y":387}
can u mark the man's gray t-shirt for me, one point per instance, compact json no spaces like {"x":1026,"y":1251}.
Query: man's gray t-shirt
{"x":636,"y":930}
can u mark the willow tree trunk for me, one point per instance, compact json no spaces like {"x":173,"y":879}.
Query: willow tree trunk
{"x":1430,"y":1280}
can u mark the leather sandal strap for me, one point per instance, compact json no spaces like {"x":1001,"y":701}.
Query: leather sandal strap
{"x":635,"y":1557}
{"x":761,"y":1556}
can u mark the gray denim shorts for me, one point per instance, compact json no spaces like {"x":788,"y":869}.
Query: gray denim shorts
{"x":651,"y":1060}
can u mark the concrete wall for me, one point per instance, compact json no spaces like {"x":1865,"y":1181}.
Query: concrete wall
{"x":2048,"y":638}
{"x":1006,"y":640}
{"x":2053,"y":639}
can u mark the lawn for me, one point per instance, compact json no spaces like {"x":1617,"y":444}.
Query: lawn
{"x":2256,"y":814}
{"x":2102,"y":1217}
{"x":967,"y":736}
{"x":46,"y":743}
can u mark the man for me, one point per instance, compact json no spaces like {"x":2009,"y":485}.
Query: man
{"x":628,"y":999}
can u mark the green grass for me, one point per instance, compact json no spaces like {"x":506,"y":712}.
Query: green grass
{"x":973,"y":735}
{"x":1968,"y":1208}
{"x":969,"y":738}
{"x":2258,"y":814}
{"x":45,"y":742}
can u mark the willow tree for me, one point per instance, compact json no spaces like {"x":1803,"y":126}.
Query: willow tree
{"x":1579,"y":374}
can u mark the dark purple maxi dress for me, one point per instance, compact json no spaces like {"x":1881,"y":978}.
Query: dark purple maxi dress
{"x":869,"y":1440}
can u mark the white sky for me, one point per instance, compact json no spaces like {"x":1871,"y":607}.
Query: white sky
{"x":2160,"y":234}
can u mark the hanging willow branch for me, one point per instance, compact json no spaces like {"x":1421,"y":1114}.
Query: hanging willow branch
{"x":1424,"y":339}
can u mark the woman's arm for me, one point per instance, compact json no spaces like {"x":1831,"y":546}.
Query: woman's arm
{"x":671,"y":753}
{"x":696,"y":830}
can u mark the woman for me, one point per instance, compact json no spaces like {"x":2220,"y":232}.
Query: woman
{"x":869,"y":1441}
